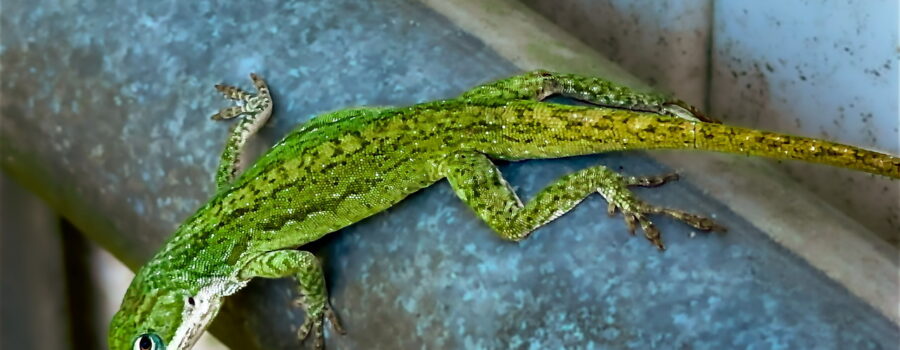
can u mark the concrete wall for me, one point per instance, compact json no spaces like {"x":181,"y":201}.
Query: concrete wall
{"x":824,"y":69}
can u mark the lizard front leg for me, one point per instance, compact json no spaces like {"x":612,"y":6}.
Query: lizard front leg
{"x":254,"y":110}
{"x":540,"y":84}
{"x":478,"y":182}
{"x":303,"y":266}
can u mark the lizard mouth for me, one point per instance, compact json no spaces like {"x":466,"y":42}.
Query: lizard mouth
{"x":205,"y":306}
{"x":194,"y":323}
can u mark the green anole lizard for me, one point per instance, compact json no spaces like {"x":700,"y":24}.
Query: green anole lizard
{"x":342,"y":167}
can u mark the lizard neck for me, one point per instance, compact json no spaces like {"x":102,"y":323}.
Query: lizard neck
{"x":201,"y":250}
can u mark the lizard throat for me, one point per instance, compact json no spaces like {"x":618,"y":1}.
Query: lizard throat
{"x":195,"y":319}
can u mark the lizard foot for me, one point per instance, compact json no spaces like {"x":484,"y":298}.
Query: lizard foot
{"x":315,"y":322}
{"x":636,"y":211}
{"x":247,"y":103}
{"x":255,"y":110}
{"x":650,"y":181}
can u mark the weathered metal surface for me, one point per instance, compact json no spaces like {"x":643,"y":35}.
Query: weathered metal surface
{"x":105,"y":111}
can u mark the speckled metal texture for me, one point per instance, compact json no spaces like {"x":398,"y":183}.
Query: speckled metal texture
{"x":105,"y":114}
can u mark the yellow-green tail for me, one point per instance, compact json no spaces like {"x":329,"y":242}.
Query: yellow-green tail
{"x":543,"y":130}
{"x":731,"y":139}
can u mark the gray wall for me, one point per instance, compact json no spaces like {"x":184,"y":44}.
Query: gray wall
{"x":826,"y":69}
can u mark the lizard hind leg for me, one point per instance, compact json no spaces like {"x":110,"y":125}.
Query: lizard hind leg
{"x":480,"y":185}
{"x":540,"y":84}
{"x":254,"y":110}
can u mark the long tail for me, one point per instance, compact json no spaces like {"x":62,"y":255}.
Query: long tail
{"x":570,"y":131}
{"x":731,"y":139}
{"x":660,"y":132}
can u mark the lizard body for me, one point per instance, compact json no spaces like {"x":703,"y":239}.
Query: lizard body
{"x":342,"y":167}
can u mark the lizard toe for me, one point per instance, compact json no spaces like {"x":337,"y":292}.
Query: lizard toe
{"x":650,"y":181}
{"x":335,"y":321}
{"x":635,"y":218}
{"x":700,"y":222}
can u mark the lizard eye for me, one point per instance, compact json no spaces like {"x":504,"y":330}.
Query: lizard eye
{"x":148,"y":342}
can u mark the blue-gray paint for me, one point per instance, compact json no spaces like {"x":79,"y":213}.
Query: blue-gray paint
{"x":105,"y":115}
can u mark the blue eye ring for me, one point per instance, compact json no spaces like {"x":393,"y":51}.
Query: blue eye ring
{"x":148,"y":341}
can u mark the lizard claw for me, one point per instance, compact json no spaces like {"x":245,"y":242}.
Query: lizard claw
{"x":697,"y":221}
{"x":315,"y":324}
{"x":681,"y":109}
{"x":635,"y":211}
{"x":335,"y":321}
{"x":650,"y":181}
{"x":247,"y":103}
{"x":635,"y":218}
{"x":233,"y":93}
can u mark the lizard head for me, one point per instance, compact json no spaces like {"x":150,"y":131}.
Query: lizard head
{"x":162,"y":311}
